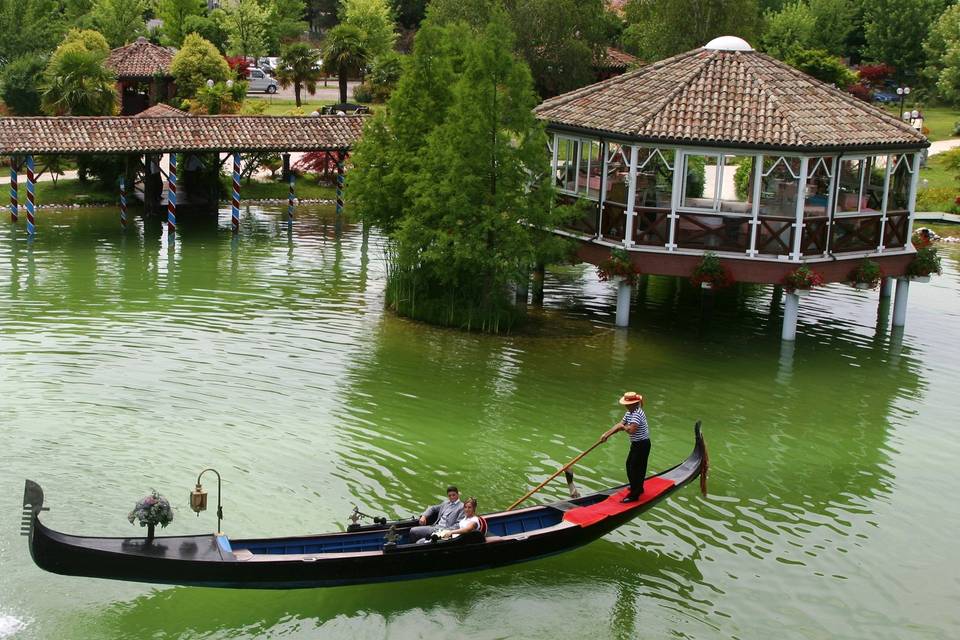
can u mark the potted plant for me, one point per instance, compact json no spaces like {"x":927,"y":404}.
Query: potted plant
{"x":801,"y":280}
{"x":710,"y":273}
{"x":150,"y":511}
{"x":925,"y":263}
{"x":866,"y":275}
{"x":618,"y":265}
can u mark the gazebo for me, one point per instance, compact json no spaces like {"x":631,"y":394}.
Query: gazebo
{"x":726,"y":150}
{"x":143,"y":75}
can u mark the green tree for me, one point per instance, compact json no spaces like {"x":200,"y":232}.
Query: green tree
{"x":473,"y":13}
{"x":211,"y":28}
{"x":175,"y":15}
{"x":823,"y":66}
{"x":895,"y":31}
{"x":344,"y":50}
{"x":792,"y":28}
{"x":939,"y":46}
{"x":75,"y":81}
{"x":196,"y":62}
{"x":560,"y":40}
{"x":835,"y":19}
{"x":245,"y":24}
{"x":374,"y":20}
{"x":18,"y":85}
{"x":409,"y":13}
{"x":285,"y":22}
{"x":660,"y":28}
{"x":299,"y":66}
{"x":322,"y":15}
{"x":29,"y":26}
{"x":120,"y":21}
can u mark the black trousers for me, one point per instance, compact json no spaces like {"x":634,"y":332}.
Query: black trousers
{"x":637,"y":465}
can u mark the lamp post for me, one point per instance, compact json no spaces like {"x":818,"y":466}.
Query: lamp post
{"x":198,"y":498}
{"x":903,"y":92}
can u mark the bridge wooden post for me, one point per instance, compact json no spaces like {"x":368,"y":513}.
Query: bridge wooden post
{"x":338,"y":222}
{"x":172,"y":199}
{"x":235,"y":208}
{"x":14,"y":200}
{"x":31,"y":198}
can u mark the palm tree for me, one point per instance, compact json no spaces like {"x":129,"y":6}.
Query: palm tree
{"x":76,"y":83}
{"x":298,"y":66}
{"x":344,"y":51}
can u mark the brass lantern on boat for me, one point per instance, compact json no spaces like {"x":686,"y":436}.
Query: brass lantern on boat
{"x":198,"y":499}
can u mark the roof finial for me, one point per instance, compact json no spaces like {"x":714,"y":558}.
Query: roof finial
{"x":728,"y":43}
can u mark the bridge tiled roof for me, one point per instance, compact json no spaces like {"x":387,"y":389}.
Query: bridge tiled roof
{"x":741,"y":99}
{"x":126,"y":134}
{"x":161,"y":110}
{"x":140,"y":59}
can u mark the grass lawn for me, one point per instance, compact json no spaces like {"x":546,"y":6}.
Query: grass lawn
{"x":939,"y":120}
{"x":72,"y":191}
{"x":288,"y":107}
{"x":306,"y":188}
{"x":938,"y":185}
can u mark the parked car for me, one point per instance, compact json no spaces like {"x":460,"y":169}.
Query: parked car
{"x":257,"y":80}
{"x":885,"y":97}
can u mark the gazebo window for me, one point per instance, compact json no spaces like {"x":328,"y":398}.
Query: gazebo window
{"x":861,"y":185}
{"x":779,"y":186}
{"x":898,"y":201}
{"x":710,"y":183}
{"x":654,"y":196}
{"x":616,"y":188}
{"x":579,"y":166}
{"x":816,"y":205}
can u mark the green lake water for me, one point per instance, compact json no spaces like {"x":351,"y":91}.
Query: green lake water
{"x":127,"y":364}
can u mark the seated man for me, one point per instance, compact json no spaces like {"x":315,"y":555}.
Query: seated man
{"x":442,"y":516}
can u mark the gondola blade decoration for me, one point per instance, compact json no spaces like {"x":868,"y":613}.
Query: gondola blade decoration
{"x":32,"y":506}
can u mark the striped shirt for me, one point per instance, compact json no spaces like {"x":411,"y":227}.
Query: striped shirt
{"x":639,"y":419}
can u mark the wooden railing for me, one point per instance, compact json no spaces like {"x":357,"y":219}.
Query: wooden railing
{"x":856,"y":233}
{"x":651,"y":227}
{"x":813,"y":242}
{"x":895,"y":229}
{"x":713,"y":232}
{"x":775,"y":235}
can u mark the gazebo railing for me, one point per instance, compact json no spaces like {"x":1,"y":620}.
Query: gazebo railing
{"x":813,"y":241}
{"x":713,"y":232}
{"x":651,"y":227}
{"x":775,"y":235}
{"x":895,"y":229}
{"x":855,"y":233}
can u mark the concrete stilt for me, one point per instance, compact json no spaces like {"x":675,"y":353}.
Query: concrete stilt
{"x":900,"y":302}
{"x":886,"y":287}
{"x":624,"y":289}
{"x":791,"y":305}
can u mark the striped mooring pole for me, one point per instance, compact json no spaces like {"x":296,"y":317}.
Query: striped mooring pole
{"x":235,"y":211}
{"x":14,"y":199}
{"x":123,"y":202}
{"x":31,"y":198}
{"x":172,"y":199}
{"x":290,"y":197}
{"x":338,"y":222}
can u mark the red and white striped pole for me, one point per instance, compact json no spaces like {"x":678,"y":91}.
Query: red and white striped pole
{"x":172,"y":199}
{"x":235,"y":210}
{"x":14,"y":198}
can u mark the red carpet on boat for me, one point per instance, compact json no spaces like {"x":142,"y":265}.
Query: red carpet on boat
{"x":585,"y":516}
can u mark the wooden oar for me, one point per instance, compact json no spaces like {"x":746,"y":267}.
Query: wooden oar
{"x":559,"y":471}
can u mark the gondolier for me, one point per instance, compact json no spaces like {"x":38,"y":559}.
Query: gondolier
{"x":634,"y":423}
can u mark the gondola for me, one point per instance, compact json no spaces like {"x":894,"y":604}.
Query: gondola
{"x":363,"y":554}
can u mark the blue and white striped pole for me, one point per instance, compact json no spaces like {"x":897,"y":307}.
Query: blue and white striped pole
{"x":123,"y":202}
{"x":338,"y":222}
{"x":172,"y":199}
{"x":235,"y":211}
{"x":31,"y":198}
{"x":14,"y":198}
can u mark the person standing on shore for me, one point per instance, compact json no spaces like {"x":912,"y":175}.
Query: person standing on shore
{"x":634,"y":423}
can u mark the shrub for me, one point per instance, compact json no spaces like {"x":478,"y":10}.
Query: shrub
{"x":618,"y":265}
{"x":711,"y":271}
{"x":867,"y":272}
{"x":925,"y":263}
{"x":803,"y":278}
{"x":18,"y":85}
{"x":196,"y":62}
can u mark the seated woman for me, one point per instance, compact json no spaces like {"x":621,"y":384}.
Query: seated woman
{"x":469,"y":522}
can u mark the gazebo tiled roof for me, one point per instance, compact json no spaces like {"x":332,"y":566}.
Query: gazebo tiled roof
{"x":140,"y":59}
{"x":161,"y":110}
{"x":728,"y":98}
{"x":131,"y":134}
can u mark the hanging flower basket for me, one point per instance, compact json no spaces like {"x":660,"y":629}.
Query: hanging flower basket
{"x":802,"y":280}
{"x":150,"y":511}
{"x":866,"y":275}
{"x":710,"y":273}
{"x":618,"y":266}
{"x":925,"y":263}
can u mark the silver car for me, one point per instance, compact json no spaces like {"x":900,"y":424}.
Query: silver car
{"x":257,"y":80}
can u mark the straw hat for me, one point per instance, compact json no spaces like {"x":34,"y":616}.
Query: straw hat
{"x":631,"y":397}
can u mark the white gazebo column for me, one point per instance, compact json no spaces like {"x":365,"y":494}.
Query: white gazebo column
{"x":886,"y":287}
{"x":631,"y":196}
{"x":801,"y":202}
{"x":791,"y":304}
{"x":624,"y":289}
{"x":900,"y":302}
